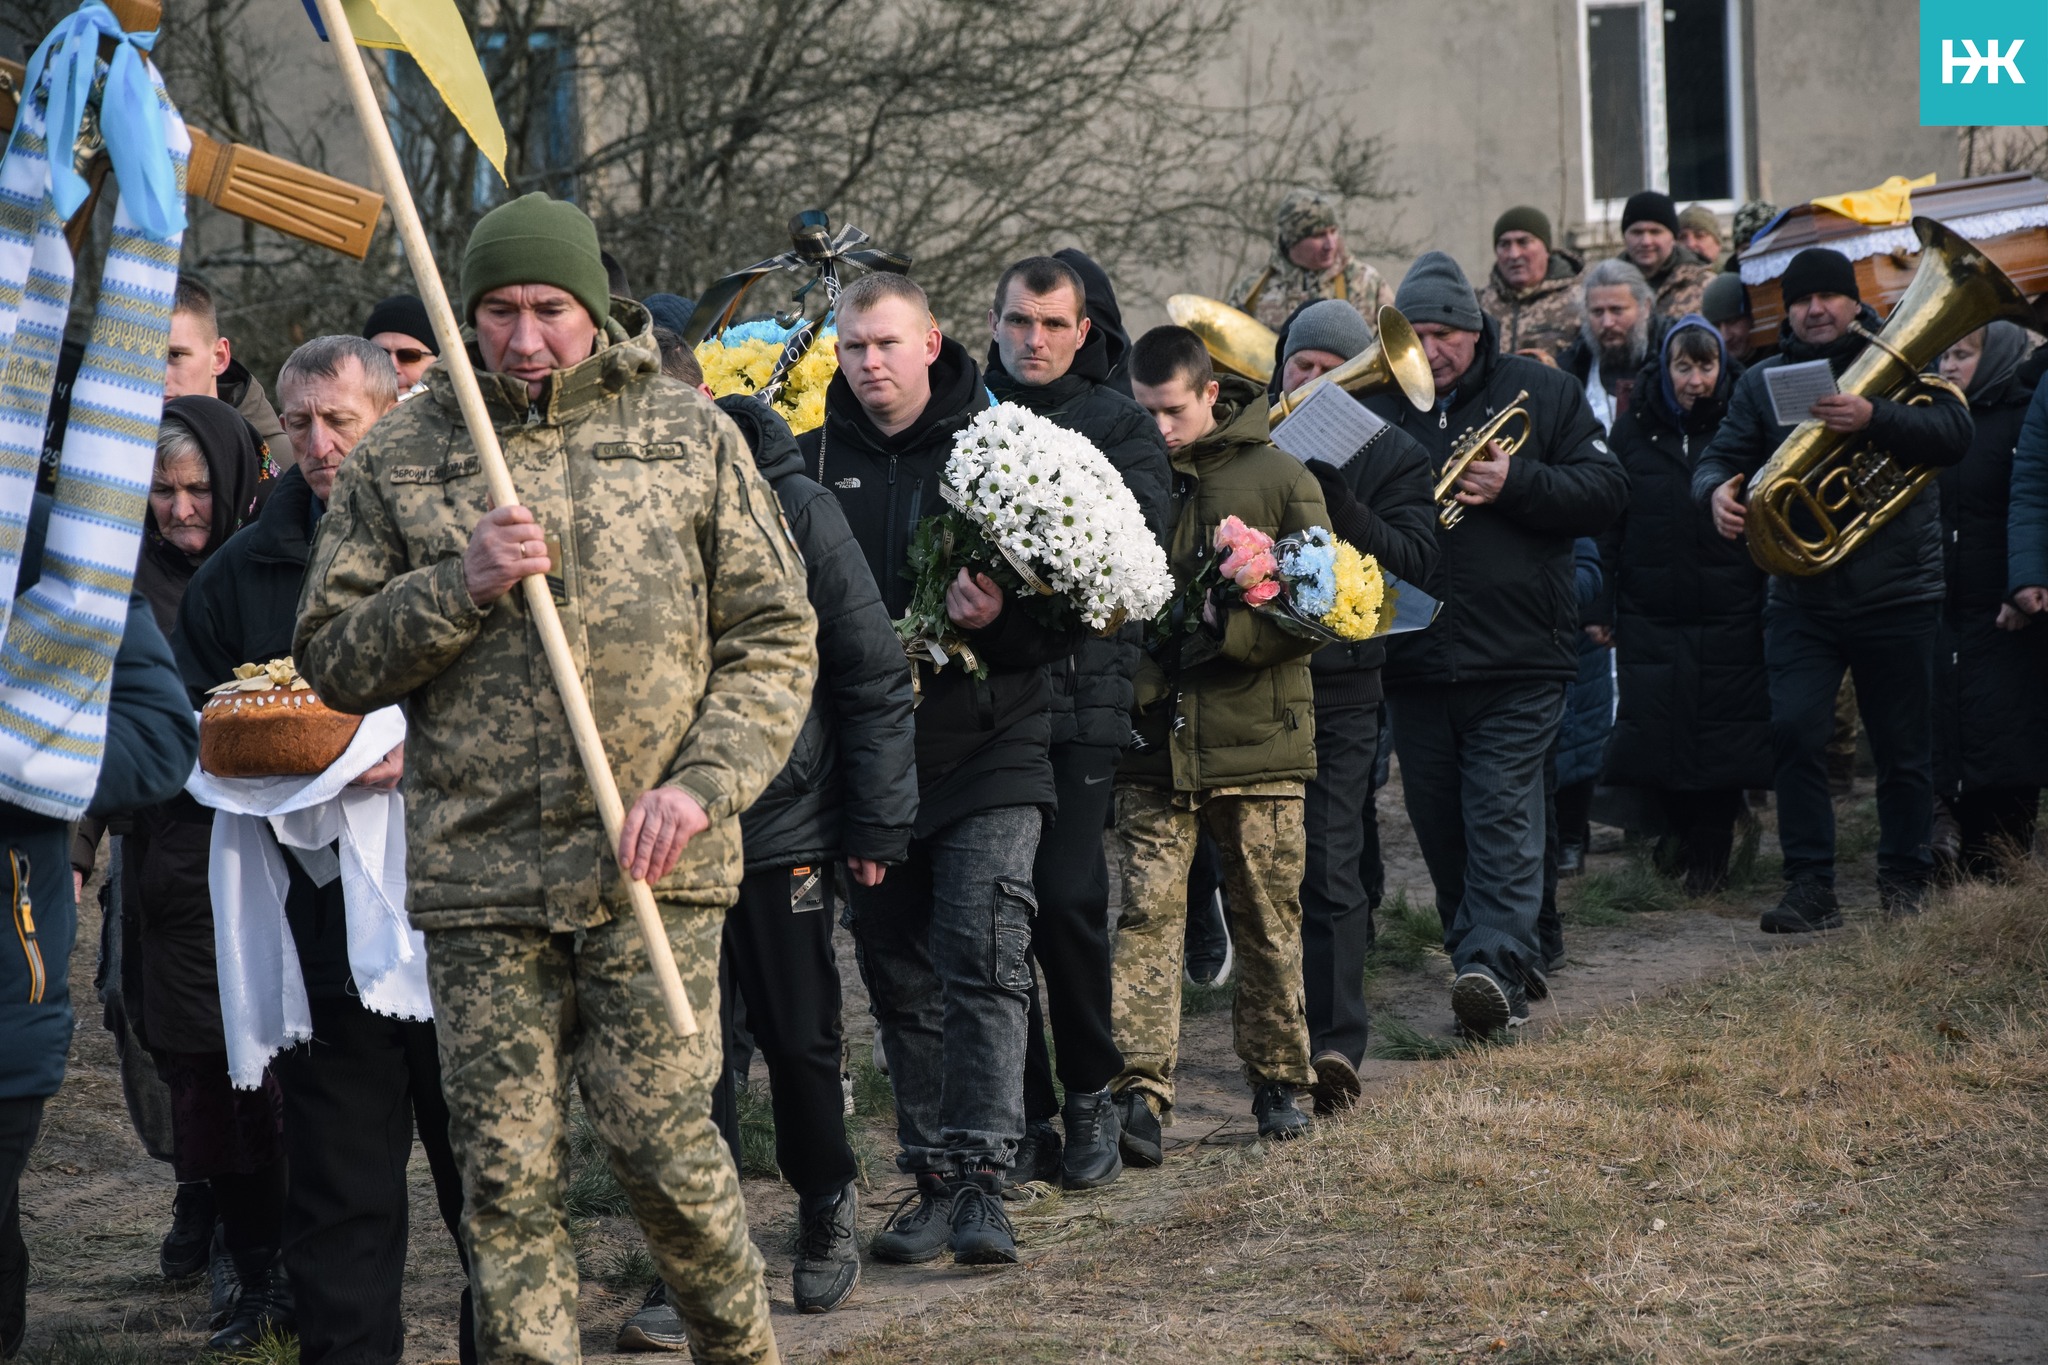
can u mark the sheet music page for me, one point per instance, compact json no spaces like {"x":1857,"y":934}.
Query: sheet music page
{"x":1795,"y":388}
{"x":1330,"y":425}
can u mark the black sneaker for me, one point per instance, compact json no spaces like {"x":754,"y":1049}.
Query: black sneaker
{"x":1280,"y":1118}
{"x":1210,"y":956}
{"x":981,"y":1232}
{"x":827,"y":1250}
{"x":1138,"y":1138}
{"x":223,"y":1284}
{"x":656,"y":1327}
{"x":1094,"y":1133}
{"x":183,"y":1253}
{"x":917,"y":1231}
{"x":1336,"y":1086}
{"x":1901,"y":898}
{"x":263,"y":1308}
{"x":1038,"y":1154}
{"x":1484,"y":1005}
{"x":1805,"y":908}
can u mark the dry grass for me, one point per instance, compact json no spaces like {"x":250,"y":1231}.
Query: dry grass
{"x":1769,"y":1166}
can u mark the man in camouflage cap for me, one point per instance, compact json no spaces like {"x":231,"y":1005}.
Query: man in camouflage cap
{"x":1533,"y":290}
{"x":684,"y":602}
{"x":1309,"y":262}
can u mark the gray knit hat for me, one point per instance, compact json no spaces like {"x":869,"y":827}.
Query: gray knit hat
{"x":1436,"y":290}
{"x":1327,"y":325}
{"x":1725,"y":299}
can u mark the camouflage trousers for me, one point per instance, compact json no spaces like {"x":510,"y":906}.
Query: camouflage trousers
{"x":1263,"y":849}
{"x":520,"y":1012}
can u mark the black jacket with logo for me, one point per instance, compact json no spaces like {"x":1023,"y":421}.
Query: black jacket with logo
{"x":1505,"y":573}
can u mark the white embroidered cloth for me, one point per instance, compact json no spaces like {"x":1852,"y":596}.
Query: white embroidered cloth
{"x":262,"y":993}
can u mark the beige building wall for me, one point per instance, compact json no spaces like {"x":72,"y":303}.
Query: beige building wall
{"x":1478,"y":102}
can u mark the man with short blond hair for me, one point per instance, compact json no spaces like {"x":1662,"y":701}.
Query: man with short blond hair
{"x":945,"y":940}
{"x":684,"y":602}
{"x":201,"y":361}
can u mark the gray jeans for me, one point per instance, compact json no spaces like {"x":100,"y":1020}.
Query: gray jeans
{"x":1473,"y":757}
{"x":943,"y":945}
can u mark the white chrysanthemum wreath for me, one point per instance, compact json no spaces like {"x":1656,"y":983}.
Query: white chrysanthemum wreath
{"x":1045,"y":514}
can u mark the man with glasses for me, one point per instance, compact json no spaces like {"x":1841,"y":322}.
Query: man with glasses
{"x":399,"y":327}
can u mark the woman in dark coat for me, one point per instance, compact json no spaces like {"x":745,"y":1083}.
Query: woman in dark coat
{"x":228,"y":1150}
{"x":1694,"y":725}
{"x":1991,"y":662}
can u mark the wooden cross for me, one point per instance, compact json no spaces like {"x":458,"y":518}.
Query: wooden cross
{"x":233,"y":177}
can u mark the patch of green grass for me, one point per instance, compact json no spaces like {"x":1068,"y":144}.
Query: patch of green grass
{"x":1397,"y":1041}
{"x":273,"y":1348}
{"x":1207,"y":999}
{"x":629,"y":1270}
{"x":1405,"y":937}
{"x":590,"y":1191}
{"x":873,"y":1097}
{"x":79,"y":1347}
{"x":757,"y":1134}
{"x":1856,"y":828}
{"x":1607,"y":898}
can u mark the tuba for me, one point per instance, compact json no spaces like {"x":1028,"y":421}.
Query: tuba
{"x":1237,"y":342}
{"x":1823,"y":493}
{"x":1396,"y":360}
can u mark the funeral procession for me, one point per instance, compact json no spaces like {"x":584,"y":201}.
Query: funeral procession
{"x":940,"y":681}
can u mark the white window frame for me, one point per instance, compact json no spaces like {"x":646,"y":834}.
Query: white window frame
{"x":1657,"y":152}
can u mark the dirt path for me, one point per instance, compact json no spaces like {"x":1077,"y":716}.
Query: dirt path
{"x":94,"y":1205}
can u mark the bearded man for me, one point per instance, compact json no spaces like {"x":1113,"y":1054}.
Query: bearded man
{"x":1616,"y":317}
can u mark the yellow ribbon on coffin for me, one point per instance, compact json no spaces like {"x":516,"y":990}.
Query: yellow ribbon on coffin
{"x":1886,"y":205}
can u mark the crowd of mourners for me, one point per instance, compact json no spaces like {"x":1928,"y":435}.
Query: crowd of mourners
{"x":1033,"y":860}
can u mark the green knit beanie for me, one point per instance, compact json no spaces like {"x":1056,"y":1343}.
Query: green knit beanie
{"x":536,"y":240}
{"x":1524,"y":218}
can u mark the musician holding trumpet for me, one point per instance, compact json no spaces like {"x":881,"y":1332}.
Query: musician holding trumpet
{"x":1477,"y":698}
{"x":1874,"y":614}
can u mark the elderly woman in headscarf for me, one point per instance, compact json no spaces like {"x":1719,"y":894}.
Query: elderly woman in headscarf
{"x":227,"y":1148}
{"x":1990,"y":707}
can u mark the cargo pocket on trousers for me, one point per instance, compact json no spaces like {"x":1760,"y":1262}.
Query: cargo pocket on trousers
{"x":1012,"y":907}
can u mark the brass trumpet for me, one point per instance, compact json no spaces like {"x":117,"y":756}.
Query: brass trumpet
{"x":1823,"y":494}
{"x":1449,"y":511}
{"x":1396,"y":360}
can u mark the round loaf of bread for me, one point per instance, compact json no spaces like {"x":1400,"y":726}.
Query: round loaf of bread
{"x":272,"y":732}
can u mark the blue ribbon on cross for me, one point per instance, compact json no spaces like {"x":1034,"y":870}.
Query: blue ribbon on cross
{"x":131,"y":121}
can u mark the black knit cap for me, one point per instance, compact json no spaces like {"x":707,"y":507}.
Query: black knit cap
{"x":1524,"y":218}
{"x":406,"y":315}
{"x":1818,"y":270}
{"x":1649,"y":206}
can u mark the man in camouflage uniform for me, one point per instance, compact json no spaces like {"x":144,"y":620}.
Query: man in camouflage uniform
{"x":1531,"y":292}
{"x":1309,"y":262}
{"x":684,"y":602}
{"x":1225,"y":742}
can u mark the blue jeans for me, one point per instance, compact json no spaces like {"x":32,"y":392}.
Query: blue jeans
{"x":1473,"y":757}
{"x":944,"y":947}
{"x":1891,"y":656}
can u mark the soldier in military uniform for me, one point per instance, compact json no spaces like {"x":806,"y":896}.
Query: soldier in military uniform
{"x":1225,"y":740}
{"x":1309,"y":262}
{"x":1649,"y":235}
{"x":1531,"y":293}
{"x":684,"y":601}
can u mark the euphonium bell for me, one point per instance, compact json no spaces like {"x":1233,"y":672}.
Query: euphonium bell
{"x":1237,"y":342}
{"x":1823,"y":493}
{"x":1395,"y":361}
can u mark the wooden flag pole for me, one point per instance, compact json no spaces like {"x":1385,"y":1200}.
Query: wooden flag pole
{"x":561,"y":662}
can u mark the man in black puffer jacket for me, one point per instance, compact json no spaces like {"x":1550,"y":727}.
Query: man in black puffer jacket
{"x":1874,"y":615}
{"x":1047,"y":357}
{"x":849,"y":792}
{"x":1477,"y":698}
{"x":1380,"y":502}
{"x":945,"y":941}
